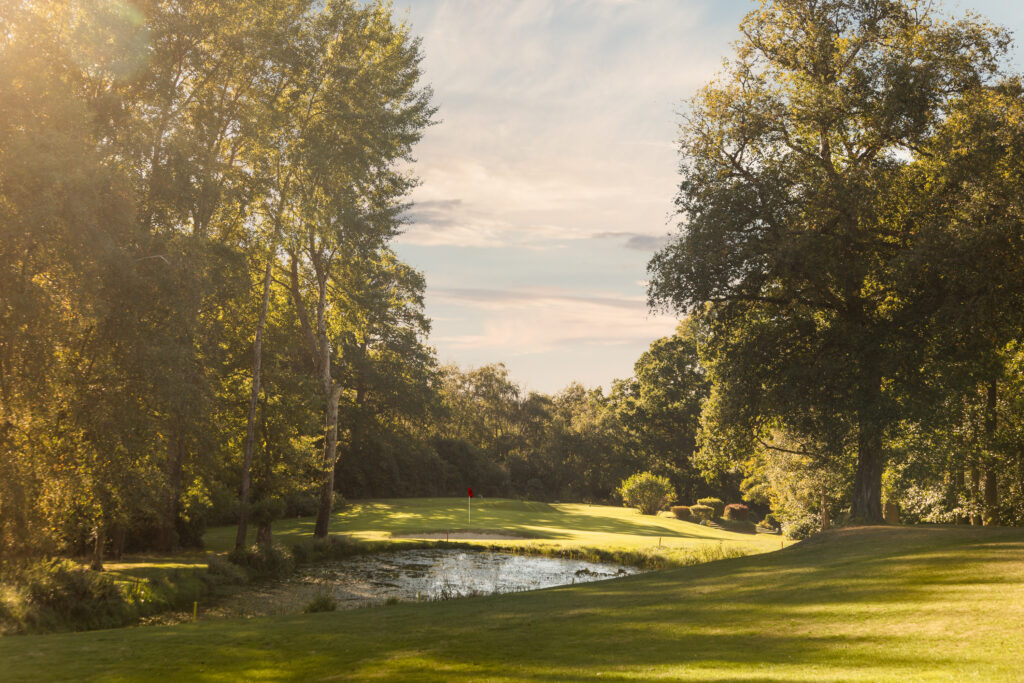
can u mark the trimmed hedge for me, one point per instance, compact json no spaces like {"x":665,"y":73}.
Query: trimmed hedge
{"x":737,"y":512}
{"x":701,"y":513}
{"x":682,"y":512}
{"x":716,"y":504}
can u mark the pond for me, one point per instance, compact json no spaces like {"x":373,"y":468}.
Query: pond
{"x":410,"y":575}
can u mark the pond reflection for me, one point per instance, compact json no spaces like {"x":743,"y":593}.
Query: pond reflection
{"x":410,"y":575}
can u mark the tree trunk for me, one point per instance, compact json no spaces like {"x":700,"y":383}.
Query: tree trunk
{"x":250,"y":429}
{"x":97,"y":549}
{"x":991,"y":501}
{"x":826,"y":521}
{"x":867,"y":484}
{"x":168,"y":539}
{"x":975,"y":493}
{"x":264,"y":535}
{"x":330,"y":460}
{"x":956,"y":487}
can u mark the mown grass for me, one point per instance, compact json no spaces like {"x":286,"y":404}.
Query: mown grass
{"x":539,"y":527}
{"x":856,"y":604}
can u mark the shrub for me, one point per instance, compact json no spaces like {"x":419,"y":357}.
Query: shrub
{"x":59,"y":595}
{"x":220,"y":571}
{"x":321,"y":603}
{"x":681,"y":512}
{"x":737,"y":512}
{"x":701,"y":513}
{"x":320,"y":549}
{"x":771,"y":521}
{"x":263,"y":561}
{"x":715,"y":504}
{"x":647,"y":492}
{"x":801,"y":528}
{"x":764,"y":524}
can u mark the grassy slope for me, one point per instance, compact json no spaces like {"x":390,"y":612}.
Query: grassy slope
{"x":869,"y":604}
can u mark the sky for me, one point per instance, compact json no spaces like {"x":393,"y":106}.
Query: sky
{"x":548,"y":182}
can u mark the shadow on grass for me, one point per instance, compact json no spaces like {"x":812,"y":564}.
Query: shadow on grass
{"x":835,"y":608}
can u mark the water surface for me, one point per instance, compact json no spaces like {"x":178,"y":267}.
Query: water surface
{"x":410,"y":575}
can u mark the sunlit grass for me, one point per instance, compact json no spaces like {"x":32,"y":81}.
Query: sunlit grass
{"x":860,"y":604}
{"x":536,"y":524}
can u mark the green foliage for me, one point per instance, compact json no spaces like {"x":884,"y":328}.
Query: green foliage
{"x":702,"y":513}
{"x":263,"y":561}
{"x":59,"y":595}
{"x":647,"y":492}
{"x":716,"y":504}
{"x":807,"y":230}
{"x":801,"y":528}
{"x":322,"y":549}
{"x":321,"y":603}
{"x":736,"y":512}
{"x":681,"y":512}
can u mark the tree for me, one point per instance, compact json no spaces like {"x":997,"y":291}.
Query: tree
{"x":790,"y":246}
{"x":361,"y":74}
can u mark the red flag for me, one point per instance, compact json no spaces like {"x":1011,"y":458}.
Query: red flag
{"x":470,"y":491}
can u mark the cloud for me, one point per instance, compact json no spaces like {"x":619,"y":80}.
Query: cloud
{"x":518,"y":322}
{"x":636,"y":240}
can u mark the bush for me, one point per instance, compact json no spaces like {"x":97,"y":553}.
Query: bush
{"x":801,"y":528}
{"x":59,"y":595}
{"x":701,"y":513}
{"x":737,"y":512}
{"x":767,"y":527}
{"x":321,"y":603}
{"x":771,"y":521}
{"x":647,"y":492}
{"x":320,"y":549}
{"x":263,"y":561}
{"x":681,"y":512}
{"x":715,"y":504}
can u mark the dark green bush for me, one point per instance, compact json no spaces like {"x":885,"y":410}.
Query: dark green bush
{"x":802,"y":528}
{"x":59,"y":595}
{"x":220,"y":571}
{"x":681,"y":512}
{"x":701,"y":513}
{"x":321,"y":603}
{"x":737,"y":512}
{"x":263,"y":561}
{"x":716,"y":504}
{"x":771,"y":521}
{"x":320,"y":549}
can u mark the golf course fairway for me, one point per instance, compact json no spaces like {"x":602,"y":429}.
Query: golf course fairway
{"x":869,"y":603}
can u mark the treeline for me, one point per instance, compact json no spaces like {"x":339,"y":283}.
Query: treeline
{"x":177,"y":181}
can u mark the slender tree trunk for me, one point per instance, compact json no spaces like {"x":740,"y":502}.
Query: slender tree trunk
{"x":175,"y":461}
{"x":826,"y":521}
{"x":975,"y":492}
{"x":956,"y":488}
{"x":97,"y":549}
{"x":867,"y":484}
{"x":991,"y":500}
{"x":250,"y":429}
{"x":330,"y":461}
